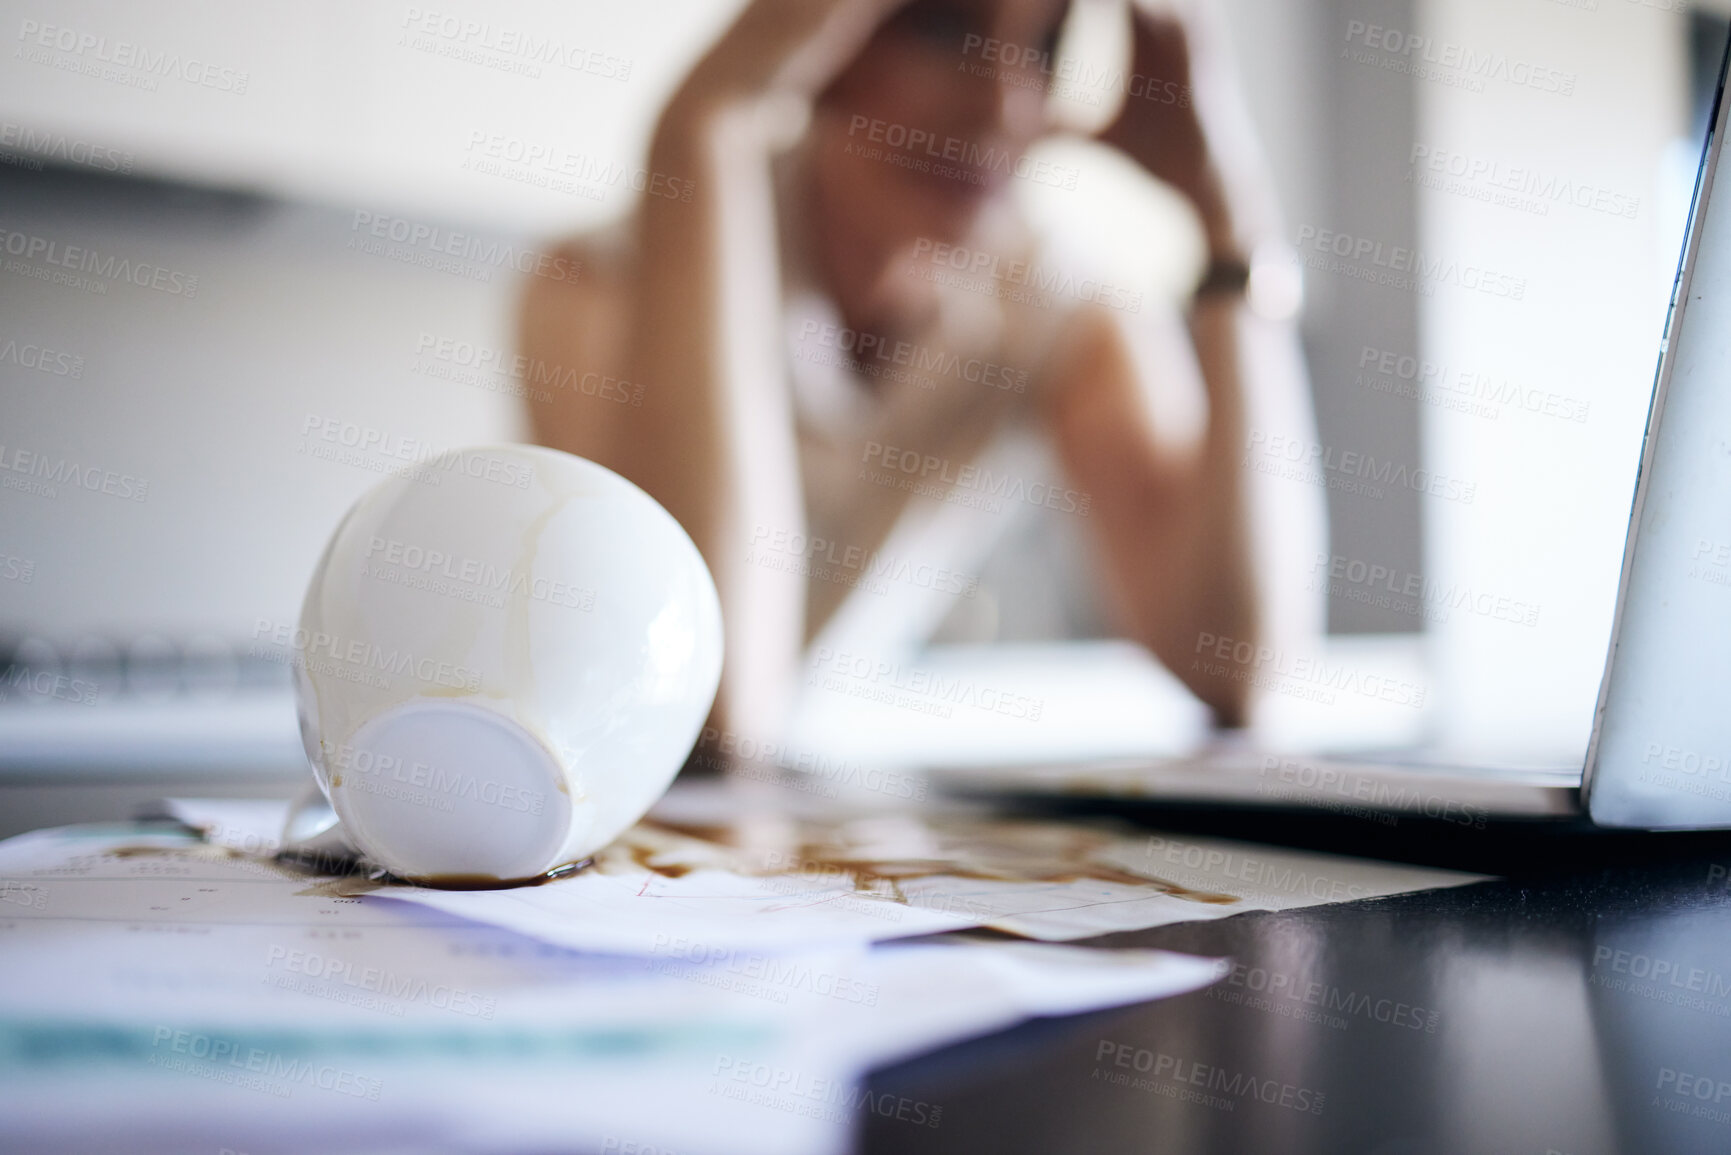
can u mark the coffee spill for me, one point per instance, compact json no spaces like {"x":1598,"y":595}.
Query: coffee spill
{"x":348,"y":886}
{"x":874,"y":877}
{"x":645,"y":857}
{"x":869,"y":876}
{"x":489,"y":881}
{"x":982,"y":851}
{"x":355,"y":885}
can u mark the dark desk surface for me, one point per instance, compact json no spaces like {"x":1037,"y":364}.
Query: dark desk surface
{"x":1581,"y":1006}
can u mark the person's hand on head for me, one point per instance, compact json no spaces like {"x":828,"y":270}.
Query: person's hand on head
{"x":1185,"y":121}
{"x":782,"y":48}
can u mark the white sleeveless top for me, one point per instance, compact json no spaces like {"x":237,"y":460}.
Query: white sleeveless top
{"x":914,"y":455}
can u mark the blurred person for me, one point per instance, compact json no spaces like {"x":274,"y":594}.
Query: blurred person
{"x":790,"y":208}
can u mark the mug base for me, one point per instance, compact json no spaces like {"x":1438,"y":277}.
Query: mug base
{"x":439,"y":788}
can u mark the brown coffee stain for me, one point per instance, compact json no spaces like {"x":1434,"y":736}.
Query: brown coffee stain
{"x":668,"y":851}
{"x":705,"y":832}
{"x":357,"y":884}
{"x":346,"y":886}
{"x":972,"y":849}
{"x":645,"y":857}
{"x":491,"y":881}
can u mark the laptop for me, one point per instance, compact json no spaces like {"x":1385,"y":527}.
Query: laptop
{"x":1659,"y":755}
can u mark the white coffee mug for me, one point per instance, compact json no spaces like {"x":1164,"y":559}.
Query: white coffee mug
{"x":505,"y":655}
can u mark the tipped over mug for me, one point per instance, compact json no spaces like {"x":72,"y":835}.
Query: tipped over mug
{"x":505,"y":655}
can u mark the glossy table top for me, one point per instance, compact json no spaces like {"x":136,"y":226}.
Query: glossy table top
{"x":1579,"y":1005}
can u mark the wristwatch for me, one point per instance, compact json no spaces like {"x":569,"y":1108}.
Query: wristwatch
{"x":1271,"y":282}
{"x":1226,"y":275}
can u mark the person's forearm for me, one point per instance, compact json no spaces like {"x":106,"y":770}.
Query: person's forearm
{"x":1200,"y":550}
{"x":1263,"y":532}
{"x":1226,"y":595}
{"x":719,"y":451}
{"x":1136,"y":429}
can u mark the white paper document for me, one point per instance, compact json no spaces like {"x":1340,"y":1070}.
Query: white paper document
{"x":167,"y":994}
{"x":718,"y":980}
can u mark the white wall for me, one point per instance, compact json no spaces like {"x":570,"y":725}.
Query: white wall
{"x":207,"y":400}
{"x":359,"y":103}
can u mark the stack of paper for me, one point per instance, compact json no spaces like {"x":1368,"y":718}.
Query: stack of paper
{"x":714,"y":989}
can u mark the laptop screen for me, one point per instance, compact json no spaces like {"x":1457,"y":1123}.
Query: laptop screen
{"x":1661,"y":755}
